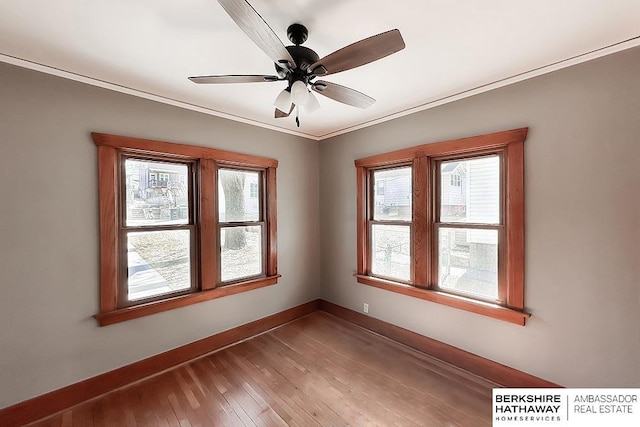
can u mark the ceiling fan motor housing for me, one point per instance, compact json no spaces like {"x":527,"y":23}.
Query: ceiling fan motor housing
{"x":304,"y":57}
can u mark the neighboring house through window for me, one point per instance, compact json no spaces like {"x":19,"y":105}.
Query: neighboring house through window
{"x":253,"y":190}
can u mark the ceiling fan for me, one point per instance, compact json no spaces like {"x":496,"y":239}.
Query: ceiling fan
{"x":300,"y":66}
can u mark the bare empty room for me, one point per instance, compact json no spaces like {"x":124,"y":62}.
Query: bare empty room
{"x":314,"y":213}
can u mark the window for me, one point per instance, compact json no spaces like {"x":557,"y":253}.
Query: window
{"x":158,"y":233}
{"x":390,"y":224}
{"x":468,"y":254}
{"x":181,"y":224}
{"x":449,"y":227}
{"x":240,"y":226}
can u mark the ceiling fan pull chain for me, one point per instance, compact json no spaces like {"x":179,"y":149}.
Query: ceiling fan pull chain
{"x":297,"y":114}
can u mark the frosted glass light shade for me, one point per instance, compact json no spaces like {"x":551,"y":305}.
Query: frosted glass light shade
{"x":311,"y":105}
{"x":299,"y":93}
{"x":283,"y":101}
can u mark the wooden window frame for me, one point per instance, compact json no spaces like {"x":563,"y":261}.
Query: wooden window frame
{"x":510,"y":145}
{"x":372,"y":221}
{"x":124,"y":229}
{"x":205,"y":163}
{"x":260,"y":222}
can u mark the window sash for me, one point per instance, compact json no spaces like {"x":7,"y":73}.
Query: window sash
{"x":262,"y":213}
{"x":123,"y":284}
{"x":192,"y":188}
{"x":191,"y":182}
{"x":436,"y":190}
{"x":260,"y":196}
{"x":372,"y":188}
{"x":500,"y":273}
{"x":436,"y":196}
{"x":263,"y":252}
{"x":372,"y":253}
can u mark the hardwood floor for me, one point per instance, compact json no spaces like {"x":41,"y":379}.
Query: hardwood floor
{"x":316,"y":370}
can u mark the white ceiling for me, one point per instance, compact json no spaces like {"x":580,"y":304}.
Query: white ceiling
{"x":454,"y":48}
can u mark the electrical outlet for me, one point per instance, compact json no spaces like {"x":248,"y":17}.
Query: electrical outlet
{"x":365,"y":308}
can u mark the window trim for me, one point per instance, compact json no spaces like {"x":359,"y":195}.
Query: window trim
{"x":511,"y":142}
{"x":208,"y":160}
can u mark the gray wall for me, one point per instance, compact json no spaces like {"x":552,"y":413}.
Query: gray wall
{"x":582,"y":172}
{"x":49,"y":252}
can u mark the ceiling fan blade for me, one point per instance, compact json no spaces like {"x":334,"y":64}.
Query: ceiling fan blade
{"x":343,"y":94}
{"x":233,"y":79}
{"x":280,"y":114}
{"x":359,"y":53}
{"x":258,"y":30}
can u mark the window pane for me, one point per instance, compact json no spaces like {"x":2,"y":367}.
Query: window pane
{"x":159,"y":262}
{"x":241,"y":252}
{"x":391,"y":251}
{"x":392,"y":194}
{"x":238,"y":195}
{"x":470,"y":190}
{"x":157,"y":193}
{"x":468,"y":261}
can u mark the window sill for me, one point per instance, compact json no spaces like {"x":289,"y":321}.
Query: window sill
{"x":129,"y":313}
{"x":467,"y":304}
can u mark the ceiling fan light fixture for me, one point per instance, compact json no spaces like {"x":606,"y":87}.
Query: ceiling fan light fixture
{"x":299,"y":93}
{"x":283,"y":101}
{"x":312,"y":105}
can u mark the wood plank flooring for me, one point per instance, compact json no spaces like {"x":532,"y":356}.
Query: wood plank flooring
{"x":316,"y":370}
